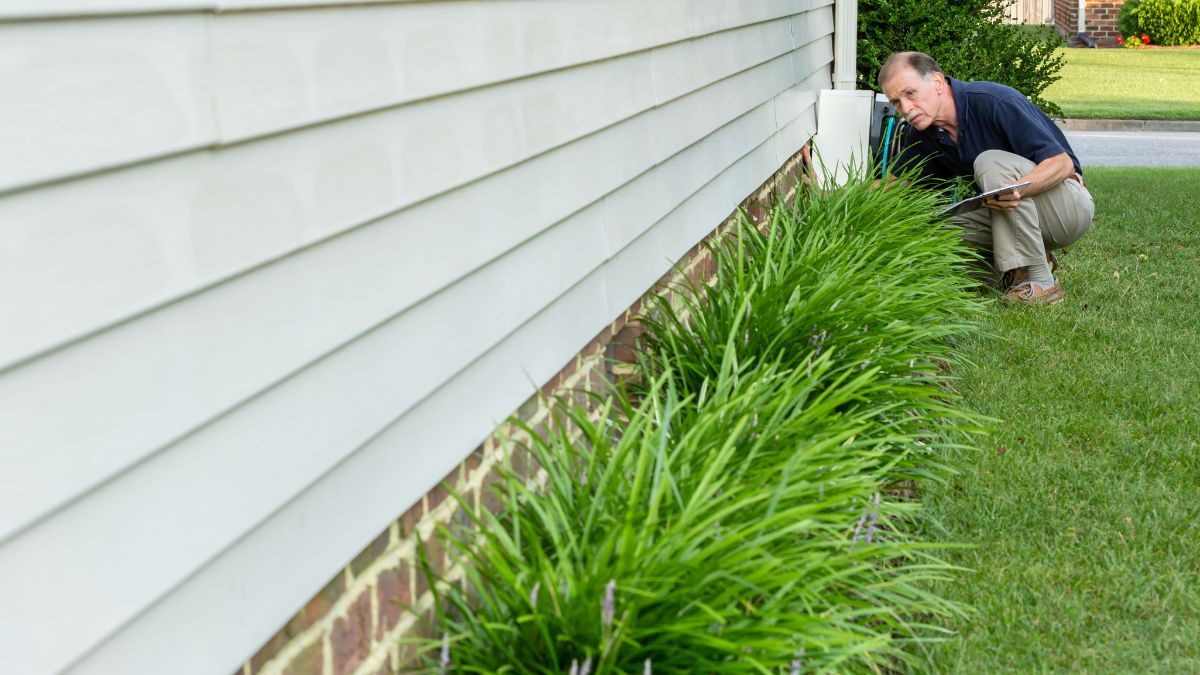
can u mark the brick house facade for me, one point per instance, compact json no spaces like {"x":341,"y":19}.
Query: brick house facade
{"x":1100,"y":20}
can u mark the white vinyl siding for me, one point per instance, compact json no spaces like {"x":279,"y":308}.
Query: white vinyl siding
{"x":269,"y":275}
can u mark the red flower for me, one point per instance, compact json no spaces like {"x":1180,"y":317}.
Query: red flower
{"x":1120,"y":40}
{"x":1145,"y":40}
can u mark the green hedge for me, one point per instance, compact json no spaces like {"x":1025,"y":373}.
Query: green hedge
{"x":737,"y":511}
{"x":1165,"y":22}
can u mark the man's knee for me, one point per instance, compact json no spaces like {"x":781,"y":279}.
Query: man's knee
{"x":997,"y":168}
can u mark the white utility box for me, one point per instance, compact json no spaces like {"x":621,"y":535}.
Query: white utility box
{"x":840,"y":147}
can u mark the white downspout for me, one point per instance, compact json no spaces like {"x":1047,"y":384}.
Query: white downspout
{"x":845,"y":43}
{"x":1079,"y":19}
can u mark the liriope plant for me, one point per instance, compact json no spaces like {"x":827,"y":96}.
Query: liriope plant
{"x":734,"y":515}
{"x":743,"y":533}
{"x":871,"y":274}
{"x":873,"y":277}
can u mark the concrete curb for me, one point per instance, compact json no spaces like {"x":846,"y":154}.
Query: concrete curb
{"x":1128,"y":125}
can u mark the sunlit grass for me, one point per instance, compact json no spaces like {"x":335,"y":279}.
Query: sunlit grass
{"x":1086,"y":503}
{"x":1129,"y":84}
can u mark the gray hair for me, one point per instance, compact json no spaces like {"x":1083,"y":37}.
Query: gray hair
{"x":921,"y":63}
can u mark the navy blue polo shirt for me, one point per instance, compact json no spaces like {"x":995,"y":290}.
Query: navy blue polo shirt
{"x":990,"y":117}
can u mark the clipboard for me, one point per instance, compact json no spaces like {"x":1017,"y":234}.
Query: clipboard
{"x":976,"y":202}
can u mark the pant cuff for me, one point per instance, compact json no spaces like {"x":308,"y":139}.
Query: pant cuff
{"x":1006,"y":264}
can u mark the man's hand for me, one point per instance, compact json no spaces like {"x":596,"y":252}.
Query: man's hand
{"x":1005,"y":202}
{"x":809,"y":176}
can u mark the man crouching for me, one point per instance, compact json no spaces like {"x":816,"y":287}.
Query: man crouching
{"x":995,"y":135}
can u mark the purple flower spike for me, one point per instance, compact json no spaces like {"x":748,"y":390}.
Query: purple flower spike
{"x":444,"y":659}
{"x":533,"y":594}
{"x":647,"y":669}
{"x":606,"y":612}
{"x":858,"y":528}
{"x":797,"y":663}
{"x":869,"y":518}
{"x":574,"y":667}
{"x":586,"y":667}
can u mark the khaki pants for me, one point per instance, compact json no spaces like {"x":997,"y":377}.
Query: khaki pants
{"x":1051,"y":220}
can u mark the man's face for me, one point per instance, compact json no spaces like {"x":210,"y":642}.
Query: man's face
{"x":920,"y":101}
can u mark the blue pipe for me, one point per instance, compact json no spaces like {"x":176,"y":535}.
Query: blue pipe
{"x":887,"y":142}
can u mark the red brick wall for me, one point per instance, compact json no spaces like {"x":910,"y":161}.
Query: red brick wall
{"x":352,"y":625}
{"x":1066,"y":12}
{"x":1100,"y":19}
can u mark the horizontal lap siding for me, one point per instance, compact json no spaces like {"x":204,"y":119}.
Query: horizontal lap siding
{"x":259,"y":319}
{"x":178,"y":232}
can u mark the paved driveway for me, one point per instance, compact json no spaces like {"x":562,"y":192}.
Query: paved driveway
{"x":1135,"y":148}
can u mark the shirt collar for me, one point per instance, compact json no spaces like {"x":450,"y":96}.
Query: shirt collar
{"x":958,"y":89}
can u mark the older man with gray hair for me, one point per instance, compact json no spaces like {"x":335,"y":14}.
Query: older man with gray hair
{"x":993,"y":134}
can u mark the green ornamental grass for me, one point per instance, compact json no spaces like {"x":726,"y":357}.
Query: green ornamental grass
{"x":743,"y":508}
{"x":870,"y":278}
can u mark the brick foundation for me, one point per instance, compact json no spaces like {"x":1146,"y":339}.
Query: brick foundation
{"x":351,"y":626}
{"x":1099,"y":20}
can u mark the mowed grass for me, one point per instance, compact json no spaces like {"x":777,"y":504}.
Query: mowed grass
{"x":1149,"y":84}
{"x":1085,"y":504}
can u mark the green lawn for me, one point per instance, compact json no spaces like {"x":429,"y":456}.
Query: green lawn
{"x":1129,"y":84}
{"x":1085,"y":504}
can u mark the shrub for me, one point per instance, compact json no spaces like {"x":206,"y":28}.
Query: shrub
{"x":1126,"y":25}
{"x":1167,"y":22}
{"x":968,"y":39}
{"x":734,"y":514}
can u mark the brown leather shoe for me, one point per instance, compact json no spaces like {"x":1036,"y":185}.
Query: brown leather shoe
{"x":1033,"y":294}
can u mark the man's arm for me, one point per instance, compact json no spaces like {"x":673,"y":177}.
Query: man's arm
{"x":1047,"y":174}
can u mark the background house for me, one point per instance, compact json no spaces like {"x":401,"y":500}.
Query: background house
{"x":1034,"y":12}
{"x":1099,"y":19}
{"x":273,"y":269}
